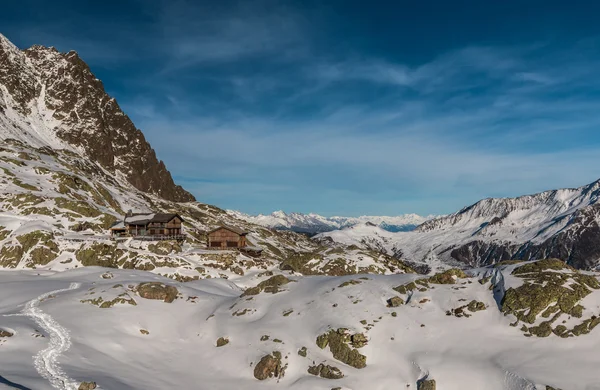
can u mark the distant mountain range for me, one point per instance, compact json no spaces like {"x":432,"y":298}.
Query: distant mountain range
{"x":315,"y":223}
{"x":562,"y":224}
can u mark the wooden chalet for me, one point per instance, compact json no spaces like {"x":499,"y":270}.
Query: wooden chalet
{"x":231,"y":238}
{"x":154,"y":226}
{"x":226,"y":237}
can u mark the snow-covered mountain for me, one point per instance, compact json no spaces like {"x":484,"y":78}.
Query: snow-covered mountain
{"x":560,"y":223}
{"x":315,"y":223}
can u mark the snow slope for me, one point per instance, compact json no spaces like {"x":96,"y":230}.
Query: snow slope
{"x":107,"y":346}
{"x":315,"y":223}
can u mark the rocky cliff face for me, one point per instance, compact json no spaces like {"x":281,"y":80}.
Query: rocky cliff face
{"x":48,"y":98}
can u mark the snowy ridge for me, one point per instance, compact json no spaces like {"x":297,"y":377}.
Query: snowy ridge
{"x":562,"y":223}
{"x":315,"y":223}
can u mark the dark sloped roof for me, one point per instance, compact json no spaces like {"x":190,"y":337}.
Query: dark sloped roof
{"x":158,"y":217}
{"x":231,"y":229}
{"x":164,"y":217}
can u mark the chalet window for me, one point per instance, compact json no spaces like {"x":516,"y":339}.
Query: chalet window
{"x":232,"y":244}
{"x":215,"y":244}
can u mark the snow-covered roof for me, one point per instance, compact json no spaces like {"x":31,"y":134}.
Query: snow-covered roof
{"x":118,"y":225}
{"x":139,"y":218}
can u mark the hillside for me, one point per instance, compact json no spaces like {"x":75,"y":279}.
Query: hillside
{"x":560,"y":223}
{"x":463,"y":331}
{"x":315,"y":223}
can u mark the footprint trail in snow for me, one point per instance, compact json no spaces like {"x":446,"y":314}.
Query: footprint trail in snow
{"x":46,"y":361}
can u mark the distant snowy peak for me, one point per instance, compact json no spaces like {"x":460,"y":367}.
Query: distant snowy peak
{"x":315,"y":223}
{"x":527,"y":210}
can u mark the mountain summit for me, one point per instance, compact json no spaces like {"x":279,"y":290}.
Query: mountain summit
{"x":49,"y":98}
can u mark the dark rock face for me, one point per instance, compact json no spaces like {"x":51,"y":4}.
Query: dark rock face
{"x":87,"y":117}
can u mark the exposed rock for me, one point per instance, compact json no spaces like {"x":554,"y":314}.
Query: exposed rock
{"x":122,"y":299}
{"x":157,"y":290}
{"x":338,"y":342}
{"x":350,"y":283}
{"x":87,"y":386}
{"x":165,"y":247}
{"x":5,"y":333}
{"x":395,"y":302}
{"x":476,"y":306}
{"x":550,"y":289}
{"x":426,"y":384}
{"x":269,"y":367}
{"x":302,"y":352}
{"x":542,"y":287}
{"x":447,"y":277}
{"x":222,"y":341}
{"x":326,"y":371}
{"x":99,"y":254}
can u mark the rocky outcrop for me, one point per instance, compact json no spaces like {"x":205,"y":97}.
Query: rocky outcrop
{"x":157,"y":290}
{"x":87,"y":386}
{"x":426,"y":384}
{"x":62,"y":92}
{"x":269,"y":366}
{"x":551,"y":291}
{"x":326,"y":371}
{"x":340,"y":344}
{"x":222,"y":341}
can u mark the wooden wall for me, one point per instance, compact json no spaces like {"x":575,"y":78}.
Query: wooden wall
{"x":226,"y":238}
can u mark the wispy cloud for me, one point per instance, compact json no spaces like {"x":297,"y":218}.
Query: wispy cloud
{"x":309,"y":126}
{"x":194,"y":35}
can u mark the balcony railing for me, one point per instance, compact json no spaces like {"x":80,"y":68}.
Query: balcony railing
{"x":159,"y":237}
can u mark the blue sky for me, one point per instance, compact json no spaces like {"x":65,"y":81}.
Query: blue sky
{"x":345,"y":107}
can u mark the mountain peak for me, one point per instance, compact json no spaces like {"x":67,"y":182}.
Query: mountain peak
{"x":54,"y":99}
